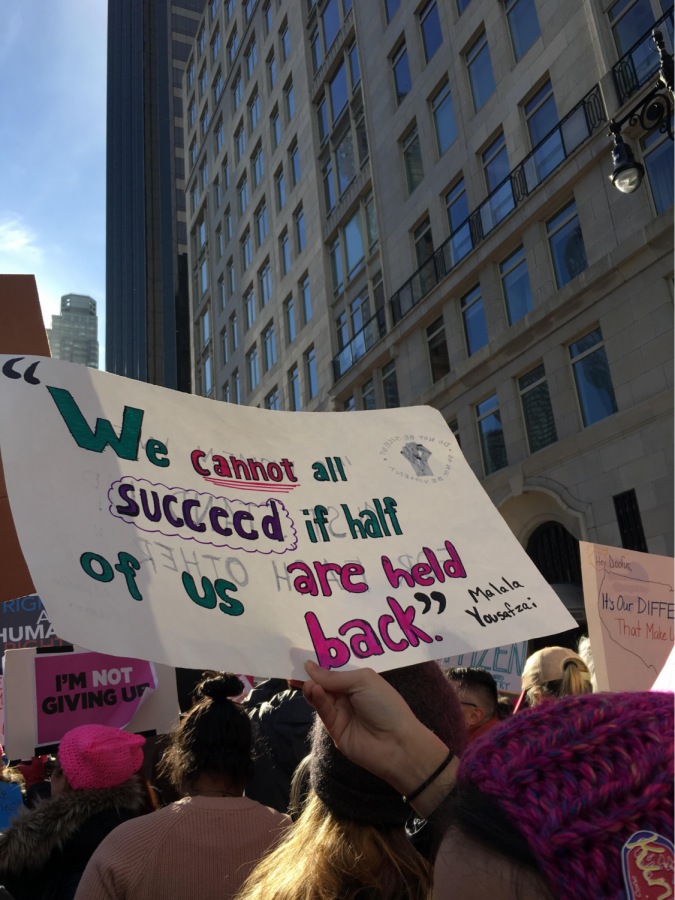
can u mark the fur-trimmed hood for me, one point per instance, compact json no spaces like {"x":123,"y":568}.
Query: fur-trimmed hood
{"x":38,"y":832}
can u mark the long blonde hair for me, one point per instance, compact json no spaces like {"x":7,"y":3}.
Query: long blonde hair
{"x":576,"y":679}
{"x":328,"y":858}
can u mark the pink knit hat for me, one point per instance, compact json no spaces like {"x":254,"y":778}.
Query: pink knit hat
{"x":577,"y":777}
{"x":97,"y":756}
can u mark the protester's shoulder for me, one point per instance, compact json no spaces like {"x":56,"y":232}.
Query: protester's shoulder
{"x":143,"y":829}
{"x":289,"y":705}
{"x":272,"y":816}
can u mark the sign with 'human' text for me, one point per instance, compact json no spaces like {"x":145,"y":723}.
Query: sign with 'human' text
{"x":174,"y":528}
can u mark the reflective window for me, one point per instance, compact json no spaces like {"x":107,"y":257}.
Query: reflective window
{"x":354,"y":243}
{"x":322,"y":117}
{"x":390,"y":385}
{"x":567,"y":245}
{"x":412,"y":158}
{"x":295,"y":164}
{"x":480,"y":71}
{"x":537,"y":412}
{"x":269,"y":345}
{"x":354,"y":68}
{"x":475,"y":327}
{"x":249,"y":307}
{"x":253,"y":374}
{"x":516,"y":284}
{"x":300,"y":230}
{"x":294,"y":388}
{"x":342,"y":329}
{"x":346,"y":164}
{"x":290,"y":102}
{"x":285,"y":246}
{"x":368,"y":395}
{"x":315,"y":44}
{"x":542,"y":117}
{"x":339,"y":92}
{"x":281,"y":190}
{"x":523,"y":24}
{"x":457,"y":208}
{"x":336,"y":266}
{"x":444,"y":119}
{"x":657,"y":151}
{"x":272,"y":400}
{"x":310,"y":364}
{"x":431,"y":29}
{"x":491,"y":435}
{"x":438,"y":350}
{"x":631,"y":20}
{"x":401,"y":72}
{"x":266,"y":283}
{"x":391,"y":6}
{"x":306,"y":299}
{"x":290,"y":320}
{"x":593,"y":378}
{"x":331,"y":23}
{"x":276,"y":129}
{"x":329,"y":187}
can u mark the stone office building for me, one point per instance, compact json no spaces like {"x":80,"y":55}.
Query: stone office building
{"x":394,"y":203}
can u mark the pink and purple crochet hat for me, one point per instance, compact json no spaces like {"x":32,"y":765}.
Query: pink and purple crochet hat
{"x":578,"y":777}
{"x":97,"y":756}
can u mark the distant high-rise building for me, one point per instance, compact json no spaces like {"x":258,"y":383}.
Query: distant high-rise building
{"x":74,"y":334}
{"x":147,"y":308}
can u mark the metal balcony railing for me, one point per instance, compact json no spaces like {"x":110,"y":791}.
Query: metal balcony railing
{"x":373,"y":330}
{"x":642,"y":61}
{"x":547,"y":156}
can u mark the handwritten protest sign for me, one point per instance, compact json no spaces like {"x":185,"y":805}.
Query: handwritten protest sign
{"x":169,"y":527}
{"x":629,"y":608}
{"x":505,"y":664}
{"x":88,"y":689}
{"x":11,"y":802}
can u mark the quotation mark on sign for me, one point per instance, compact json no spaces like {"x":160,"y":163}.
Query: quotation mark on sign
{"x":435,"y":595}
{"x":28,"y":375}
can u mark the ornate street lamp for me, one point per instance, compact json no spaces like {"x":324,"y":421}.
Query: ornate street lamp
{"x":655,"y":110}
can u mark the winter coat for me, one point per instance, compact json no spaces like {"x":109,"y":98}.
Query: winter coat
{"x":283,"y":722}
{"x":46,"y":850}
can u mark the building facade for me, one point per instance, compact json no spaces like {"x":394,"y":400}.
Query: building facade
{"x":74,"y":334}
{"x":147,"y":307}
{"x":439,"y":184}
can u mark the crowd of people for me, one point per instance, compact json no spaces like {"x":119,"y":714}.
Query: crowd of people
{"x":411,"y":785}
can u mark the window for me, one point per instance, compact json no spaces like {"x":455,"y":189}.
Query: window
{"x":195,"y":198}
{"x":431,"y":29}
{"x":205,"y":330}
{"x":218,"y":86}
{"x":542,"y":117}
{"x":192,"y":113}
{"x":207,"y":377}
{"x":362,"y":139}
{"x":491,"y":435}
{"x":497,"y":172}
{"x":593,"y":378}
{"x":246,"y":250}
{"x":516,"y":284}
{"x":371,"y":222}
{"x":276,"y":129}
{"x":336,"y":266}
{"x":203,"y":81}
{"x":272,"y":400}
{"x":458,"y":213}
{"x":306,"y":299}
{"x":204,"y":176}
{"x":524,"y":25}
{"x":249,"y":308}
{"x":322,"y":117}
{"x":267,"y":15}
{"x":243,"y":195}
{"x":281,"y":190}
{"x":412,"y":158}
{"x":230,"y":9}
{"x":346,"y":165}
{"x":295,"y":163}
{"x":285,"y":44}
{"x":204,"y":277}
{"x":248,"y":9}
{"x":254,"y":110}
{"x":330,"y":19}
{"x":537,"y":412}
{"x":251,"y":58}
{"x":454,"y":428}
{"x":272,"y":70}
{"x":290,"y":102}
{"x":339,"y":92}
{"x":342,"y":330}
{"x":202,"y":235}
{"x":269,"y":346}
{"x":233,"y":46}
{"x":359,"y":312}
{"x":391,"y":6}
{"x":215,"y":45}
{"x":228,"y":224}
{"x":201,"y":40}
{"x":238,"y":92}
{"x":233,"y":332}
{"x":230,"y":278}
{"x":226,"y":172}
{"x":354,"y":244}
{"x":252,"y":365}
{"x":191,"y":73}
{"x":631,"y":20}
{"x":224,"y":346}
{"x":438,"y":350}
{"x":261,"y":223}
{"x":193,"y":153}
{"x":285,"y":247}
{"x":226,"y":392}
{"x":567,"y":245}
{"x":349,"y":405}
{"x":290,"y":320}
{"x":390,"y":385}
{"x":630,"y":521}
{"x":480,"y":71}
{"x":329,"y":187}
{"x":258,"y":167}
{"x":214,"y":7}
{"x":475,"y":328}
{"x":310,"y":366}
{"x":354,"y":68}
{"x":237,"y":387}
{"x":368,"y":395}
{"x":221,"y":293}
{"x":220,"y":136}
{"x":444,"y":119}
{"x":219,"y":241}
{"x":424,"y":253}
{"x":265,"y":278}
{"x":401,"y":72}
{"x":294,"y":388}
{"x":657,"y":151}
{"x":300,"y":230}
{"x":315,"y":47}
{"x":240,"y":142}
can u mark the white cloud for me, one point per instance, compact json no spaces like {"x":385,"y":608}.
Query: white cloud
{"x":18,"y":250}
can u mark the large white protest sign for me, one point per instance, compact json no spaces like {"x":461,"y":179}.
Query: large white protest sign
{"x":200,"y":534}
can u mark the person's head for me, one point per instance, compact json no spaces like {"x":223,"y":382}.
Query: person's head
{"x":214,"y":738}
{"x":477,"y":693}
{"x":543,"y":809}
{"x":350,"y":840}
{"x":95,"y":757}
{"x":555,"y":672}
{"x":300,"y":788}
{"x":504,"y":707}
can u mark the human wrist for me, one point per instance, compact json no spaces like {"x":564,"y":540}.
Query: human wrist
{"x":417,"y":754}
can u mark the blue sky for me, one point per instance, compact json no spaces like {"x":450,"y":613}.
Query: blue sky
{"x":52,"y":135}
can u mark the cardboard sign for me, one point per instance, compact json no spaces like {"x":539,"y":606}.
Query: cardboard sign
{"x":169,"y":527}
{"x":24,"y":623}
{"x":94,"y":690}
{"x":666,"y":680}
{"x":630,"y":612}
{"x":505,"y":664}
{"x":29,"y":675}
{"x":11,"y":801}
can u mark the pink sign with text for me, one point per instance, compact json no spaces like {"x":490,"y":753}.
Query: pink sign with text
{"x":87,"y":689}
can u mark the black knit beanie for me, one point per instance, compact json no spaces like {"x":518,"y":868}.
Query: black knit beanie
{"x":352,"y":792}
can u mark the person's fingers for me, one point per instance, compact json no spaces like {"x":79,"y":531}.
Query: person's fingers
{"x":296,"y":684}
{"x":338,"y":682}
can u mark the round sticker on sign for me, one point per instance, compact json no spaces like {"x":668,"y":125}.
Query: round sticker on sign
{"x":647,"y":860}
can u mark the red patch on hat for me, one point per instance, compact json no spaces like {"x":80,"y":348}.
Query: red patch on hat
{"x":648,"y":863}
